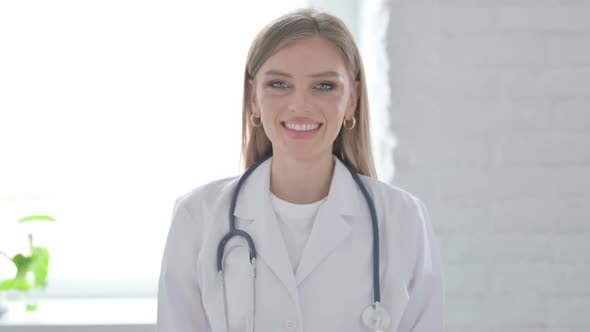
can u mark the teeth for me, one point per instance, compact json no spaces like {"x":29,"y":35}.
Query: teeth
{"x":302,"y":127}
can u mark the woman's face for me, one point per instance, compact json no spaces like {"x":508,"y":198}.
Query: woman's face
{"x":302,"y":94}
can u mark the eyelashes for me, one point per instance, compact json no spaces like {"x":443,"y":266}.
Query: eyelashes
{"x":326,"y":86}
{"x":323,"y":86}
{"x":278,"y":84}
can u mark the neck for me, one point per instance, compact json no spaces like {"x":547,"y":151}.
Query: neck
{"x":301,"y":181}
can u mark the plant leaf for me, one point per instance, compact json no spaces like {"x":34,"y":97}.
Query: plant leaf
{"x":36,"y":218}
{"x":40,"y":265}
{"x":20,"y":284}
{"x":22,"y":265}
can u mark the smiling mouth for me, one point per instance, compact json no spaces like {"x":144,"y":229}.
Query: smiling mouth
{"x":302,"y":127}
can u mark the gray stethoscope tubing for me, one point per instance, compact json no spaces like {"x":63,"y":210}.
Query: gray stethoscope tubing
{"x":374,"y":316}
{"x":236,"y":232}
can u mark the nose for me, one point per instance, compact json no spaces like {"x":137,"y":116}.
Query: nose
{"x":299,"y":101}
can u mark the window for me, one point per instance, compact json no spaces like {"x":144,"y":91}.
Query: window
{"x":107,"y":110}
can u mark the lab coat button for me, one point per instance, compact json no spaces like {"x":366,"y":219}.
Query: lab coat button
{"x":291,"y":325}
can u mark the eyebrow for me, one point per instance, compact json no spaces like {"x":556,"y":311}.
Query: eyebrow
{"x":322,"y":74}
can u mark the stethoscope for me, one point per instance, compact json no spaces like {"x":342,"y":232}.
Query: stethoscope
{"x":374,"y":316}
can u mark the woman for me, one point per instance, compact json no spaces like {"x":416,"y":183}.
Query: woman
{"x":305,"y":103}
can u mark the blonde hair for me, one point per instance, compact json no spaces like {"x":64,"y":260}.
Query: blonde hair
{"x":353,"y":146}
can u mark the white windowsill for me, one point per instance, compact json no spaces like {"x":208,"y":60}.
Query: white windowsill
{"x":83,"y":315}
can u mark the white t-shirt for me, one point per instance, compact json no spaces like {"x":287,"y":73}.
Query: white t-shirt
{"x":296,"y":222}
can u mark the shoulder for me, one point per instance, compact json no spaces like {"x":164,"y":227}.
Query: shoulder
{"x":206,"y":196}
{"x":401,"y":211}
{"x":391,"y":194}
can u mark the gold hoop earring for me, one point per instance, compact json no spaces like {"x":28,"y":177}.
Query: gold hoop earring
{"x":351,"y":126}
{"x":254,"y":123}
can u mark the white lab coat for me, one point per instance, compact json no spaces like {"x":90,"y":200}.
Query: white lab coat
{"x":333,"y":282}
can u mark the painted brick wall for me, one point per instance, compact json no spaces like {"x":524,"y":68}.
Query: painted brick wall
{"x":491,"y":110}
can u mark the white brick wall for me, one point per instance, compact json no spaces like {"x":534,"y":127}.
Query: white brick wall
{"x":491,"y":109}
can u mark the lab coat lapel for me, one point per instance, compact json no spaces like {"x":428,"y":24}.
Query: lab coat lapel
{"x":331,"y":226}
{"x":254,"y":204}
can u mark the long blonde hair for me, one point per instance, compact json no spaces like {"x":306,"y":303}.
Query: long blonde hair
{"x":353,"y":146}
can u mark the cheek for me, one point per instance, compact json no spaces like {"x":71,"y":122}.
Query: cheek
{"x":270,"y":104}
{"x":336,"y":100}
{"x":270,"y":107}
{"x":334,"y":108}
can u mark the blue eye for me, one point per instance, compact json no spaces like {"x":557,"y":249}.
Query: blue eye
{"x":326,"y":86}
{"x":278,"y":84}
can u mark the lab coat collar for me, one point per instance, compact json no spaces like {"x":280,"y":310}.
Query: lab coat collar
{"x":254,"y":197}
{"x":257,"y":217}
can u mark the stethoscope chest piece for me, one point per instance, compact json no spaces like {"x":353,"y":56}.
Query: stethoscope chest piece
{"x":375,"y":317}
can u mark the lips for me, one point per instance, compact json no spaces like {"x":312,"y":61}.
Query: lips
{"x":301,"y":128}
{"x":299,"y":122}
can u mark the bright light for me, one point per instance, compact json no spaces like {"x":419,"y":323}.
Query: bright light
{"x":109,"y":110}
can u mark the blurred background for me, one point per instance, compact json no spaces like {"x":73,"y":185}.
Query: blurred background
{"x":481,"y":108}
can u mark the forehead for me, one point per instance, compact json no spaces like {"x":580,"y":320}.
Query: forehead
{"x":307,"y":56}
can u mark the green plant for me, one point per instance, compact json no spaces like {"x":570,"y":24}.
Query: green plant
{"x":32,"y":267}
